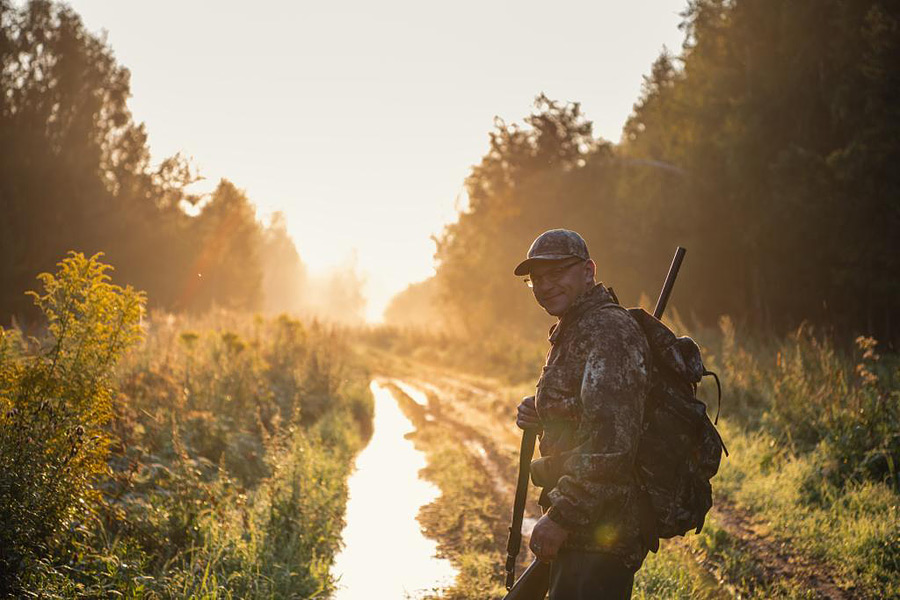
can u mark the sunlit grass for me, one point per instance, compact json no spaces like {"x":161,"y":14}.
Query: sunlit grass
{"x":852,"y":528}
{"x":672,"y":574}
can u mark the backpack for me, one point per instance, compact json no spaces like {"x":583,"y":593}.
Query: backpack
{"x":680,"y":448}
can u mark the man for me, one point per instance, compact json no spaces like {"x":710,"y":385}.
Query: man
{"x":589,"y":405}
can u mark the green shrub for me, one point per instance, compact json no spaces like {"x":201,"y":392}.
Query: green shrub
{"x":54,"y":403}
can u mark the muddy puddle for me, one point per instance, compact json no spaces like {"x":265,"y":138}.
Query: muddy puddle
{"x":385,"y":553}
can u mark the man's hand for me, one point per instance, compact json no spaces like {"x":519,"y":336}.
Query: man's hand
{"x":547,"y":538}
{"x":528,"y":417}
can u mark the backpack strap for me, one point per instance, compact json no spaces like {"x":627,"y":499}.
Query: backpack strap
{"x":719,"y":388}
{"x":718,"y":407}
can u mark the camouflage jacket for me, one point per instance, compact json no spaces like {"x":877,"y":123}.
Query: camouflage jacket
{"x":590,"y":399}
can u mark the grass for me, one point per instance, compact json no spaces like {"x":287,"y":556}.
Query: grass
{"x":672,"y":573}
{"x":814,"y":451}
{"x":852,"y":528}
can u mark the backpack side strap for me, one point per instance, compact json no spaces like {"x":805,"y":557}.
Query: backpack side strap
{"x":719,"y":388}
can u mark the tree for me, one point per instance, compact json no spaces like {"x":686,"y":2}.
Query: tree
{"x":285,"y":276}
{"x":227,"y":267}
{"x":75,"y":173}
{"x":766,"y":146}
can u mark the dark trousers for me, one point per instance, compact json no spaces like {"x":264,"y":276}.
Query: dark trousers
{"x":589,"y":576}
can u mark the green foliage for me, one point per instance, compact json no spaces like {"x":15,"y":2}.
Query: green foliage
{"x":54,"y":403}
{"x":520,"y":186}
{"x":812,"y":432}
{"x":810,"y":396}
{"x":765,"y":119}
{"x":228,"y":262}
{"x":673,"y":574}
{"x":235,"y":442}
{"x":850,"y":526}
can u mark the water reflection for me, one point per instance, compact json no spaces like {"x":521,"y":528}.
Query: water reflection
{"x":417,"y":396}
{"x":385,"y":555}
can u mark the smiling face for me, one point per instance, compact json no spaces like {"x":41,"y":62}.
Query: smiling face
{"x":557,"y":283}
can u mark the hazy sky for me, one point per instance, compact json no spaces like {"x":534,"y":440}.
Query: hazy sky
{"x":360,"y":120}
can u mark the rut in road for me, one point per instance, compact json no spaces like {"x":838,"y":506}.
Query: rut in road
{"x":774,"y":557}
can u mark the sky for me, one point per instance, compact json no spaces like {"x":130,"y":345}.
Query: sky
{"x":361,"y":120}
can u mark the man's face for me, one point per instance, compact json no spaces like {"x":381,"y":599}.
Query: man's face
{"x":557,"y":283}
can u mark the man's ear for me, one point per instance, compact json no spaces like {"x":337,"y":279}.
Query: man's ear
{"x":592,"y":266}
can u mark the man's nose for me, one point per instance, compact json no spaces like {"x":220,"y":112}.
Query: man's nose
{"x":542,"y":284}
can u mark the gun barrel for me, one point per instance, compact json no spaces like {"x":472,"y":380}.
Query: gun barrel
{"x":669,"y":283}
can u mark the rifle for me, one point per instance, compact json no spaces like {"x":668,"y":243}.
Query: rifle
{"x":535,"y":581}
{"x":514,"y":543}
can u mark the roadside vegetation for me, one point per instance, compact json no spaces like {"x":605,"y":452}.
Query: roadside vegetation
{"x":171,"y":457}
{"x":814,"y":434}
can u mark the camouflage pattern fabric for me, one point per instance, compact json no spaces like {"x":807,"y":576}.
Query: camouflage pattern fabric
{"x":590,"y":399}
{"x":555,"y":244}
{"x":680,"y":448}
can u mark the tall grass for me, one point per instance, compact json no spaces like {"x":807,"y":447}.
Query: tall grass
{"x":230,"y":439}
{"x":815,"y":438}
{"x":810,"y":396}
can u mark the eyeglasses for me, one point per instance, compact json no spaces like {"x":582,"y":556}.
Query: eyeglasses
{"x":551,"y":276}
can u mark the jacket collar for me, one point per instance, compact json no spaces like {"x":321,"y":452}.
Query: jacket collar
{"x":594,"y":296}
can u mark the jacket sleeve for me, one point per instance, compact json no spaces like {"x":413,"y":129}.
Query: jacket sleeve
{"x":597,"y":476}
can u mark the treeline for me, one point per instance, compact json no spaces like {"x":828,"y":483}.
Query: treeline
{"x":766,"y":147}
{"x":76,"y":173}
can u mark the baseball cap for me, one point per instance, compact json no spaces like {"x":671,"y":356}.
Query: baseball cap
{"x":554,"y":244}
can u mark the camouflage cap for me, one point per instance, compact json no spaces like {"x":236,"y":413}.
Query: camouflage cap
{"x":555,"y":244}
